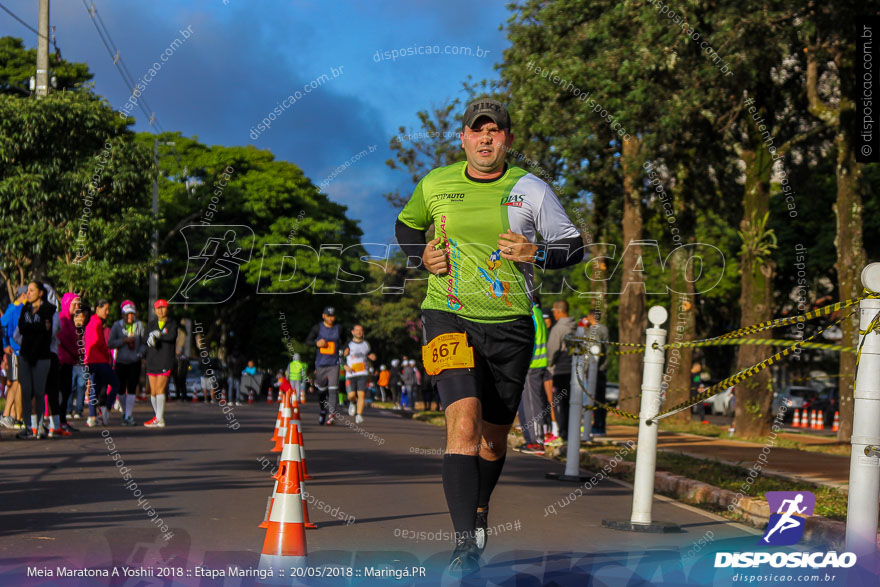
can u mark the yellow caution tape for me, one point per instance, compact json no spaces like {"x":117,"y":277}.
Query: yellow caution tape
{"x":872,"y":326}
{"x":760,"y":342}
{"x":741,"y":376}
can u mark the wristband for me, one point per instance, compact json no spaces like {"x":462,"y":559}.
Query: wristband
{"x":540,"y":255}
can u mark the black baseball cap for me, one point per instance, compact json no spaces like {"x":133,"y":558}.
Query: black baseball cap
{"x":330,"y":311}
{"x":486,"y":107}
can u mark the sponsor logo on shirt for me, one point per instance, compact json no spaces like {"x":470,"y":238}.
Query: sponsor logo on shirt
{"x":513,"y":200}
{"x":454,"y":197}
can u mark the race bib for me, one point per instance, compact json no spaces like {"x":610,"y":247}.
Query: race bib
{"x":358,"y":367}
{"x":447,"y":351}
{"x":329,"y":348}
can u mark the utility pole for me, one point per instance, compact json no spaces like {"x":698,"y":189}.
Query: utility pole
{"x":154,"y":274}
{"x":42,"y":85}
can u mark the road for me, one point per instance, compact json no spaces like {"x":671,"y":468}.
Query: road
{"x":64,"y":503}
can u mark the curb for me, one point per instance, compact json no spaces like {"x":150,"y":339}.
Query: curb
{"x":755,"y":512}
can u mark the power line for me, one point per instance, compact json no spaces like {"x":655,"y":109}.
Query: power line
{"x":32,"y":29}
{"x":124,"y":73}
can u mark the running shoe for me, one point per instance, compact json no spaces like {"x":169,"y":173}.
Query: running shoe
{"x":331,"y":420}
{"x":129,"y":421}
{"x":117,"y":406}
{"x":90,"y":422}
{"x":149,"y":423}
{"x":7,"y":422}
{"x":26,"y":434}
{"x":41,"y":432}
{"x":105,"y":416}
{"x":532,"y":449}
{"x":320,"y":420}
{"x":69,"y":427}
{"x":481,"y":534}
{"x":238,"y":403}
{"x":19,"y":424}
{"x":59,"y":432}
{"x":359,"y":419}
{"x":155,"y":423}
{"x":77,"y":415}
{"x":352,"y":409}
{"x":555,"y":441}
{"x":465,"y":558}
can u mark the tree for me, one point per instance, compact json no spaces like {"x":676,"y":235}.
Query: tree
{"x":74,"y":191}
{"x":18,"y":64}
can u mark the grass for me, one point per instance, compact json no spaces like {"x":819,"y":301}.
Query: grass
{"x":433,"y":418}
{"x":808,"y":444}
{"x":830,"y":502}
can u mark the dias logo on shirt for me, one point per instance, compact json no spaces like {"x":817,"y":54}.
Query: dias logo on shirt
{"x":513,"y":200}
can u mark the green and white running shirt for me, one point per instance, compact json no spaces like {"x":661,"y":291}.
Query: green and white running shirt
{"x":468,"y":216}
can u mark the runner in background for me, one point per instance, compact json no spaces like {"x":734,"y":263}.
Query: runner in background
{"x":356,"y":353}
{"x":99,"y":367}
{"x":327,"y":337}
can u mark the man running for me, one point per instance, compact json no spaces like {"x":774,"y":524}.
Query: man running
{"x":477,"y":323}
{"x":356,"y":353}
{"x":327,"y":336}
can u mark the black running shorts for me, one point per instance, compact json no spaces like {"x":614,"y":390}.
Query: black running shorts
{"x":502,"y":353}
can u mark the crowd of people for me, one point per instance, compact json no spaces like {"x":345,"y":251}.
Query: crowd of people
{"x":61,"y":356}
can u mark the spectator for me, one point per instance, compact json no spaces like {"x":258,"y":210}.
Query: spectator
{"x":99,"y":369}
{"x":233,"y":386}
{"x":383,"y":381}
{"x":395,"y":383}
{"x":12,"y":413}
{"x":128,"y":337}
{"x":160,"y":359}
{"x":68,"y":358}
{"x":37,"y":327}
{"x":181,"y":369}
{"x":559,"y":364}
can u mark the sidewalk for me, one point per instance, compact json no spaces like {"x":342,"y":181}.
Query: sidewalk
{"x":818,"y":468}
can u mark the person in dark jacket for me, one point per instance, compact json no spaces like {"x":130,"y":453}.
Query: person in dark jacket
{"x":37,"y":326}
{"x":161,"y":360}
{"x":327,"y":337}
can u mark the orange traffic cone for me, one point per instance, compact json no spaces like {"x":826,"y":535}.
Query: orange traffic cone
{"x":290,"y":459}
{"x":285,"y":544}
{"x":836,"y":425}
{"x":302,"y":448}
{"x":269,"y":398}
{"x":796,"y":422}
{"x":820,"y":420}
{"x":275,"y":435}
{"x":815,"y":420}
{"x":282,"y":430}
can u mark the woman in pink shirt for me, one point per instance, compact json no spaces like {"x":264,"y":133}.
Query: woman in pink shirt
{"x":98,"y":365}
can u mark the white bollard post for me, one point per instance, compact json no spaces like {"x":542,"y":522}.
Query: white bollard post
{"x":864,"y":469}
{"x":646,"y":454}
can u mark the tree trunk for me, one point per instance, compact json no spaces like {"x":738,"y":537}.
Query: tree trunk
{"x":631,"y":315}
{"x":850,"y":261}
{"x":754,"y":396}
{"x":681,"y":329}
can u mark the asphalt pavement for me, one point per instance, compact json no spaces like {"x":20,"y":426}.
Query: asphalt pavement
{"x":378,"y":502}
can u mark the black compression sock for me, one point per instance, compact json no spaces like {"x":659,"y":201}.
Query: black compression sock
{"x":461,"y":484}
{"x":490,"y":471}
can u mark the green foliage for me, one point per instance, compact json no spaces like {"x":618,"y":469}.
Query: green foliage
{"x":74,"y":191}
{"x":18,"y":64}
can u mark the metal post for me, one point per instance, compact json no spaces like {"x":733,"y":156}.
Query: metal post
{"x":593,"y":374}
{"x":573,"y":449}
{"x":864,"y":469}
{"x":154,"y":273}
{"x":646,"y":455}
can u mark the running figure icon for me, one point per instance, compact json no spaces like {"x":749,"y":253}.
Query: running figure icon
{"x":785,"y":522}
{"x":217,"y":262}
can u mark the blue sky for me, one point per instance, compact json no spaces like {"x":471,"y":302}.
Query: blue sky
{"x":246,"y":56}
